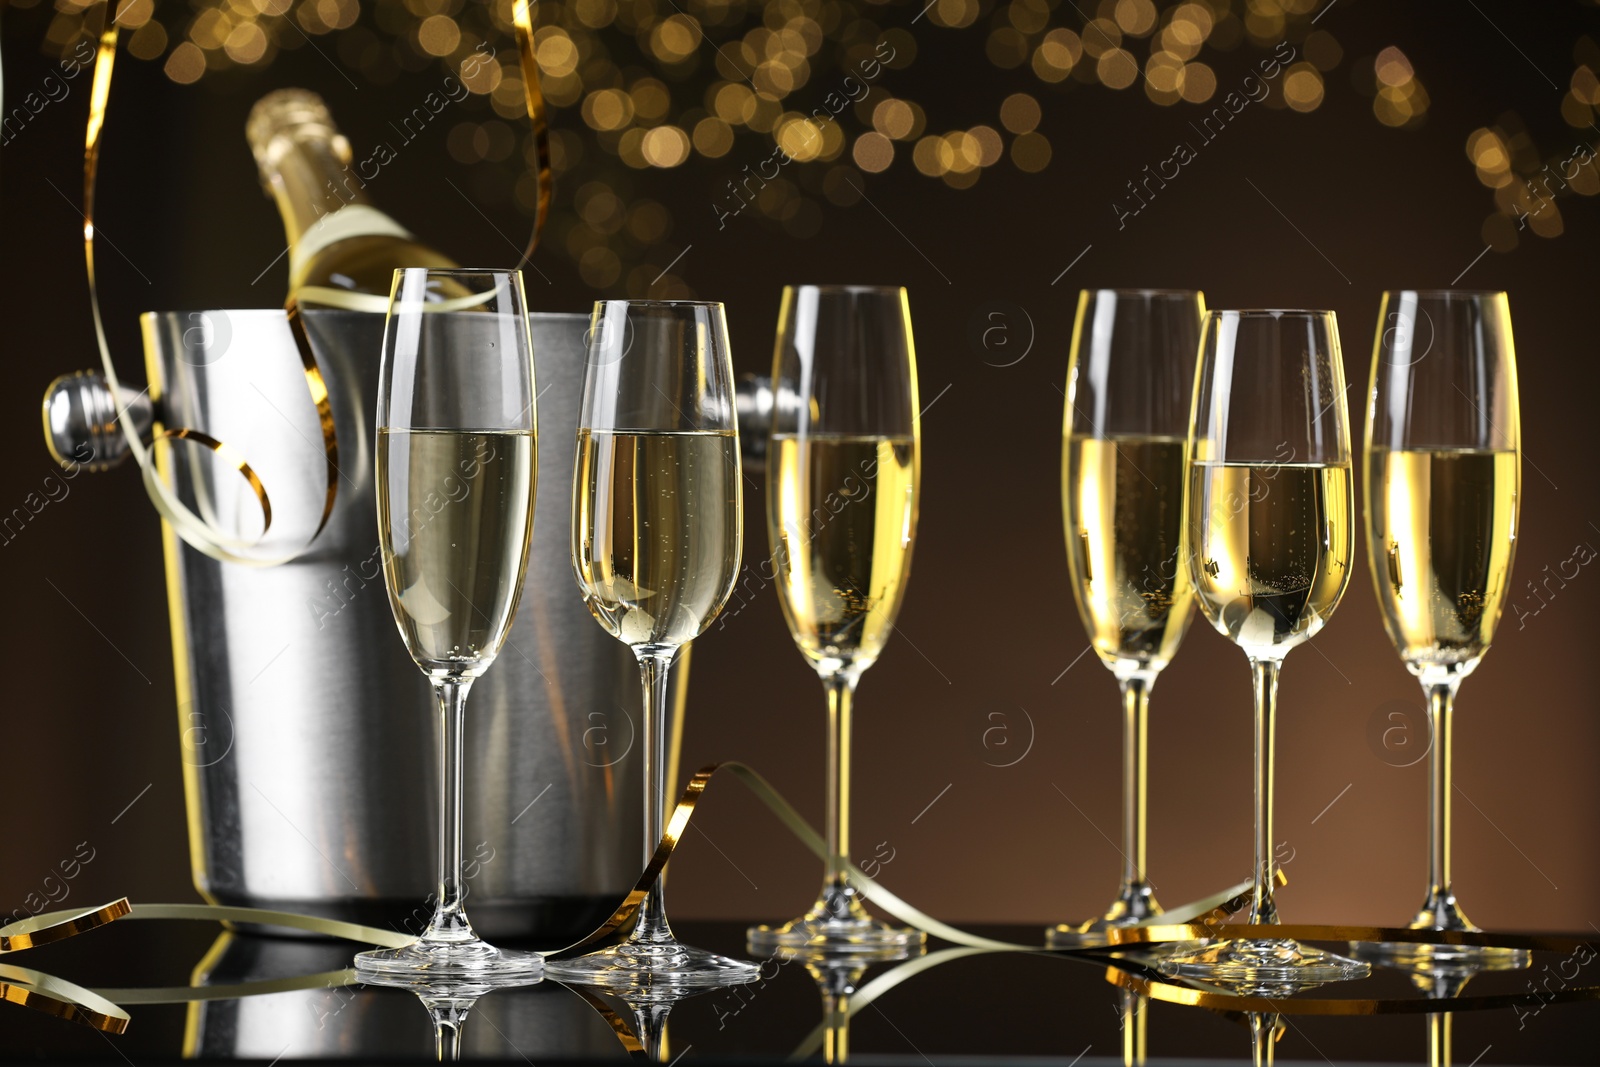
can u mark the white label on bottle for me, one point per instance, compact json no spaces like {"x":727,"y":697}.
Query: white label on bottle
{"x":352,"y":220}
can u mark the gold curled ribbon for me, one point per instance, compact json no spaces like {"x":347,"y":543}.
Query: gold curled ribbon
{"x":100,"y":1008}
{"x":1212,"y":909}
{"x":622,"y":916}
{"x":345,"y":931}
{"x":522,"y":19}
{"x":619,"y":921}
{"x":196,"y":531}
{"x":672,"y":834}
{"x":53,"y":926}
{"x":1346,"y":1006}
{"x":121,"y":909}
{"x":318,"y":388}
{"x":1131,"y":937}
{"x":813,"y":1042}
{"x":629,"y":1040}
{"x":39,"y":990}
{"x":229,"y":455}
{"x":58,"y":997}
{"x":189,"y":994}
{"x":1236,"y":1005}
{"x":1214,"y":906}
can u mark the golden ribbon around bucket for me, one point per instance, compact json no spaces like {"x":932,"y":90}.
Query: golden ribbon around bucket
{"x":195,"y":530}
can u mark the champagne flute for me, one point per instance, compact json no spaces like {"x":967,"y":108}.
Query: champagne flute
{"x":841,"y":518}
{"x":656,"y":529}
{"x":1269,"y":546}
{"x":1130,"y":381}
{"x":1444,"y":468}
{"x":457,"y":469}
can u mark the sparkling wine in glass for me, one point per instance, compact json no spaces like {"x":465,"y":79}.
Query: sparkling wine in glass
{"x":843,"y":461}
{"x":456,"y":471}
{"x":1444,"y":469}
{"x":1130,"y":382}
{"x":1269,"y":527}
{"x":657,"y":525}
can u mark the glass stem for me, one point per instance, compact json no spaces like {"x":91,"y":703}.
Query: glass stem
{"x":1439,"y":1027}
{"x":1263,"y":1036}
{"x":1264,"y":673}
{"x":655,"y":670}
{"x":449,"y":1016}
{"x":836,"y":1027}
{"x":650,"y":1021}
{"x":1135,"y":749}
{"x":449,"y":922}
{"x":1441,"y":898}
{"x":1134,"y":1007}
{"x":837,"y":894}
{"x":446,"y":1043}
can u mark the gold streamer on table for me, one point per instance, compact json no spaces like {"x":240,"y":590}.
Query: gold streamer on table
{"x":1198,"y":920}
{"x":1235,"y":1003}
{"x":55,"y":996}
{"x":194,"y":529}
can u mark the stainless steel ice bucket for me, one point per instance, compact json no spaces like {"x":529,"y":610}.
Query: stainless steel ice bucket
{"x":308,"y":735}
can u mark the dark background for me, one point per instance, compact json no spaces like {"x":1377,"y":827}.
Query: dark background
{"x":988,"y":627}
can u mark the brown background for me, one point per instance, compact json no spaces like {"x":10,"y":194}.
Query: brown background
{"x":988,"y":626}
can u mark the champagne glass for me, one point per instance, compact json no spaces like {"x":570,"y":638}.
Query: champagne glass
{"x":1130,"y":381}
{"x":841,"y":518}
{"x":656,"y":529}
{"x":457,"y":469}
{"x":1269,"y":548}
{"x":1444,"y":470}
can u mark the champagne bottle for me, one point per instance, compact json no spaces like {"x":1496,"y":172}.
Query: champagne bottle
{"x":337,"y":238}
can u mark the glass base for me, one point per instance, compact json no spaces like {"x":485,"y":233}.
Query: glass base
{"x":1440,"y":912}
{"x":640,"y":966}
{"x":855,"y":937}
{"x":424,"y":963}
{"x":1257,"y":965}
{"x":1440,"y":959}
{"x":837,"y":927}
{"x":1134,"y":905}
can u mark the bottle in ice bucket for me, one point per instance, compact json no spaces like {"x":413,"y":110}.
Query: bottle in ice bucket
{"x":337,"y":238}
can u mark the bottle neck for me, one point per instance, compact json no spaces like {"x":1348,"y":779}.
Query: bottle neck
{"x":310,"y":181}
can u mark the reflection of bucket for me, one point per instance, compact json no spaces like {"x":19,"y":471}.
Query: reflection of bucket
{"x":337,"y":1021}
{"x":309,"y":747}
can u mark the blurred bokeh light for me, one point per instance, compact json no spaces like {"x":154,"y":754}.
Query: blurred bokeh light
{"x":647,"y":84}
